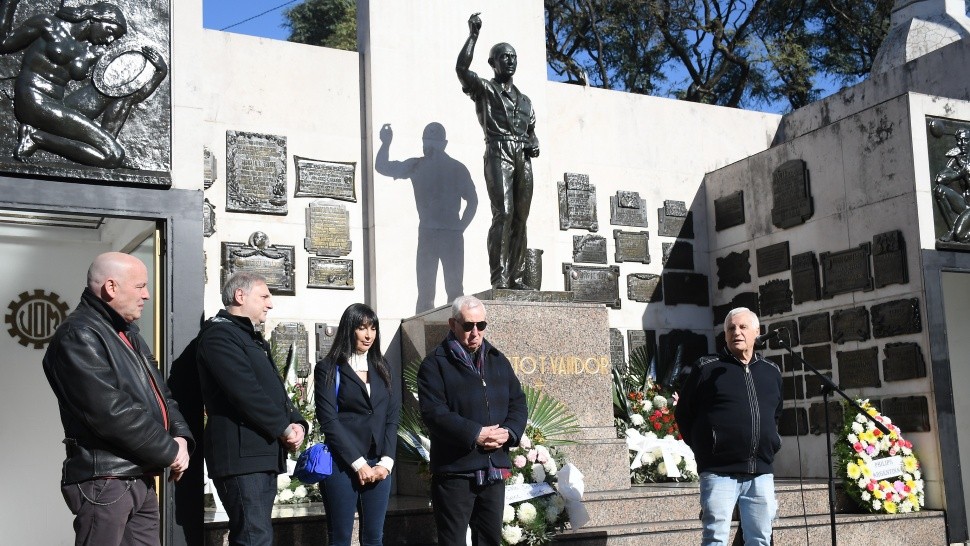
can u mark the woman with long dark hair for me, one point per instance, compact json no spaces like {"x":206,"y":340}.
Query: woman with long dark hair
{"x":358,"y":415}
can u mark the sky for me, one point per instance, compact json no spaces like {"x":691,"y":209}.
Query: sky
{"x":218,"y":14}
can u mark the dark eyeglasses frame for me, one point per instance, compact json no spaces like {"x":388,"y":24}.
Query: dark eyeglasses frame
{"x":467,"y":326}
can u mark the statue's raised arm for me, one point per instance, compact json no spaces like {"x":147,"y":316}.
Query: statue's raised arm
{"x":463,"y":67}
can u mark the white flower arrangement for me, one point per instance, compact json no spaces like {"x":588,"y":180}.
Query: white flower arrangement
{"x":534,"y":521}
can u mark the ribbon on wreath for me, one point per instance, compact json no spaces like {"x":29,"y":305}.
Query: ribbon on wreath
{"x":649,"y":443}
{"x":571,"y":487}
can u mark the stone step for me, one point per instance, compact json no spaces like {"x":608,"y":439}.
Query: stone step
{"x":922,"y":528}
{"x":681,"y":501}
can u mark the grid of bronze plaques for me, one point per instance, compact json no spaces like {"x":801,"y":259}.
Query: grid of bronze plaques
{"x":577,"y":203}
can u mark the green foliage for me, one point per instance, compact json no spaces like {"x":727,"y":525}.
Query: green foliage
{"x":550,"y":421}
{"x":327,"y":23}
{"x":721,"y":52}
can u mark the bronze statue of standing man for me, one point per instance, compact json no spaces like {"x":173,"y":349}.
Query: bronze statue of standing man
{"x":507,"y":117}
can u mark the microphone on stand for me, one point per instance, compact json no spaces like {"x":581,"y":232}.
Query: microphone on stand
{"x":763,"y":338}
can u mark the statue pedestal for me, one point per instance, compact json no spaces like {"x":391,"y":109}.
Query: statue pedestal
{"x":559,"y":347}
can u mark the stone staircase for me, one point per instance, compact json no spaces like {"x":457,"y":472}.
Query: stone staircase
{"x":664,"y":514}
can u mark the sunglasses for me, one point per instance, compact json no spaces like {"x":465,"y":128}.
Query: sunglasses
{"x":467,"y":326}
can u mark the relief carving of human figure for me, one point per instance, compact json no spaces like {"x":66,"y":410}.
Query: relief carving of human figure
{"x":952,"y":190}
{"x":64,"y":47}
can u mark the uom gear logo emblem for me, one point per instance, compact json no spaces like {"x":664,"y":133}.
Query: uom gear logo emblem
{"x":34,"y":317}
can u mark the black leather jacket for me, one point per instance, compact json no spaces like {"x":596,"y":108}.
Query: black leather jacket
{"x":112,"y":419}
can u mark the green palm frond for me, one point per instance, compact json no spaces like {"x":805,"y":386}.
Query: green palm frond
{"x":550,"y":421}
{"x":638,"y":368}
{"x":621,"y":404}
{"x":412,"y":436}
{"x":410,"y":375}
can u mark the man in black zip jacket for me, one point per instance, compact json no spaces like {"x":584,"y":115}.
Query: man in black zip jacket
{"x":251,"y":421}
{"x":728,"y":414}
{"x":121,"y":426}
{"x":475,"y":411}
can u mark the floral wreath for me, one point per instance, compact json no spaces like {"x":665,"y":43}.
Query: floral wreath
{"x":879,"y":471}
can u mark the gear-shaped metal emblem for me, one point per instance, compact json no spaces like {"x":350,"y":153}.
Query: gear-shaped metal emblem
{"x":34,"y":317}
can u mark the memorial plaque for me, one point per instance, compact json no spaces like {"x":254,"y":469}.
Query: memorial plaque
{"x":846,"y":271}
{"x":813,"y":384}
{"x":742,"y":299}
{"x":208,"y":218}
{"x":577,"y":203}
{"x":789,"y":362}
{"x":631,"y":246}
{"x":896,"y":318}
{"x":903,"y":361}
{"x":734,"y":269}
{"x":819,"y":356}
{"x":773,"y":259}
{"x":325,"y":336}
{"x":644,"y":287}
{"x":788,"y":333}
{"x":330,"y":273}
{"x":859,"y":368}
{"x":675,"y":220}
{"x":679,"y":255}
{"x":589,"y":249}
{"x":889,"y":259}
{"x":909,"y":413}
{"x":617,"y":353}
{"x":255,"y":173}
{"x":794,"y":422}
{"x":775,"y":297}
{"x":685,"y":288}
{"x":333,"y":179}
{"x":804,"y":278}
{"x":291,"y":336}
{"x":593,"y":284}
{"x":209,"y":168}
{"x":729,"y":211}
{"x":815,"y":328}
{"x":850,"y":325}
{"x":678,"y":348}
{"x":793,"y":387}
{"x":627,"y":209}
{"x":637,"y":339}
{"x":328,"y":229}
{"x":816,"y":418}
{"x":274,"y":262}
{"x":791,"y":195}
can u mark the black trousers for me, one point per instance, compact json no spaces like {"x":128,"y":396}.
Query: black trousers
{"x":114,"y":511}
{"x":459,"y":503}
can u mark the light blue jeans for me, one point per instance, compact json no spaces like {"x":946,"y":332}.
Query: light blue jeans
{"x":755,"y":497}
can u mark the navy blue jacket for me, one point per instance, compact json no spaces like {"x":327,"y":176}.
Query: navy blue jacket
{"x":363,"y":421}
{"x":246,"y":404}
{"x":456,"y":403}
{"x":728,"y":414}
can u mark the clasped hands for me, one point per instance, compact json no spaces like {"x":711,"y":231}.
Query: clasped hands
{"x":371,"y":474}
{"x":492,"y":437}
{"x":292,"y":437}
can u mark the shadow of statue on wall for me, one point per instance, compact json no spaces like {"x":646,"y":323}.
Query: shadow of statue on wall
{"x":440,"y":185}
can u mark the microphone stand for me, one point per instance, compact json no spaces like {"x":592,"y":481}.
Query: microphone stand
{"x":828,"y":387}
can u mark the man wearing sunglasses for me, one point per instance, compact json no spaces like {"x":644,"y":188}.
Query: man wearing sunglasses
{"x":475,"y":411}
